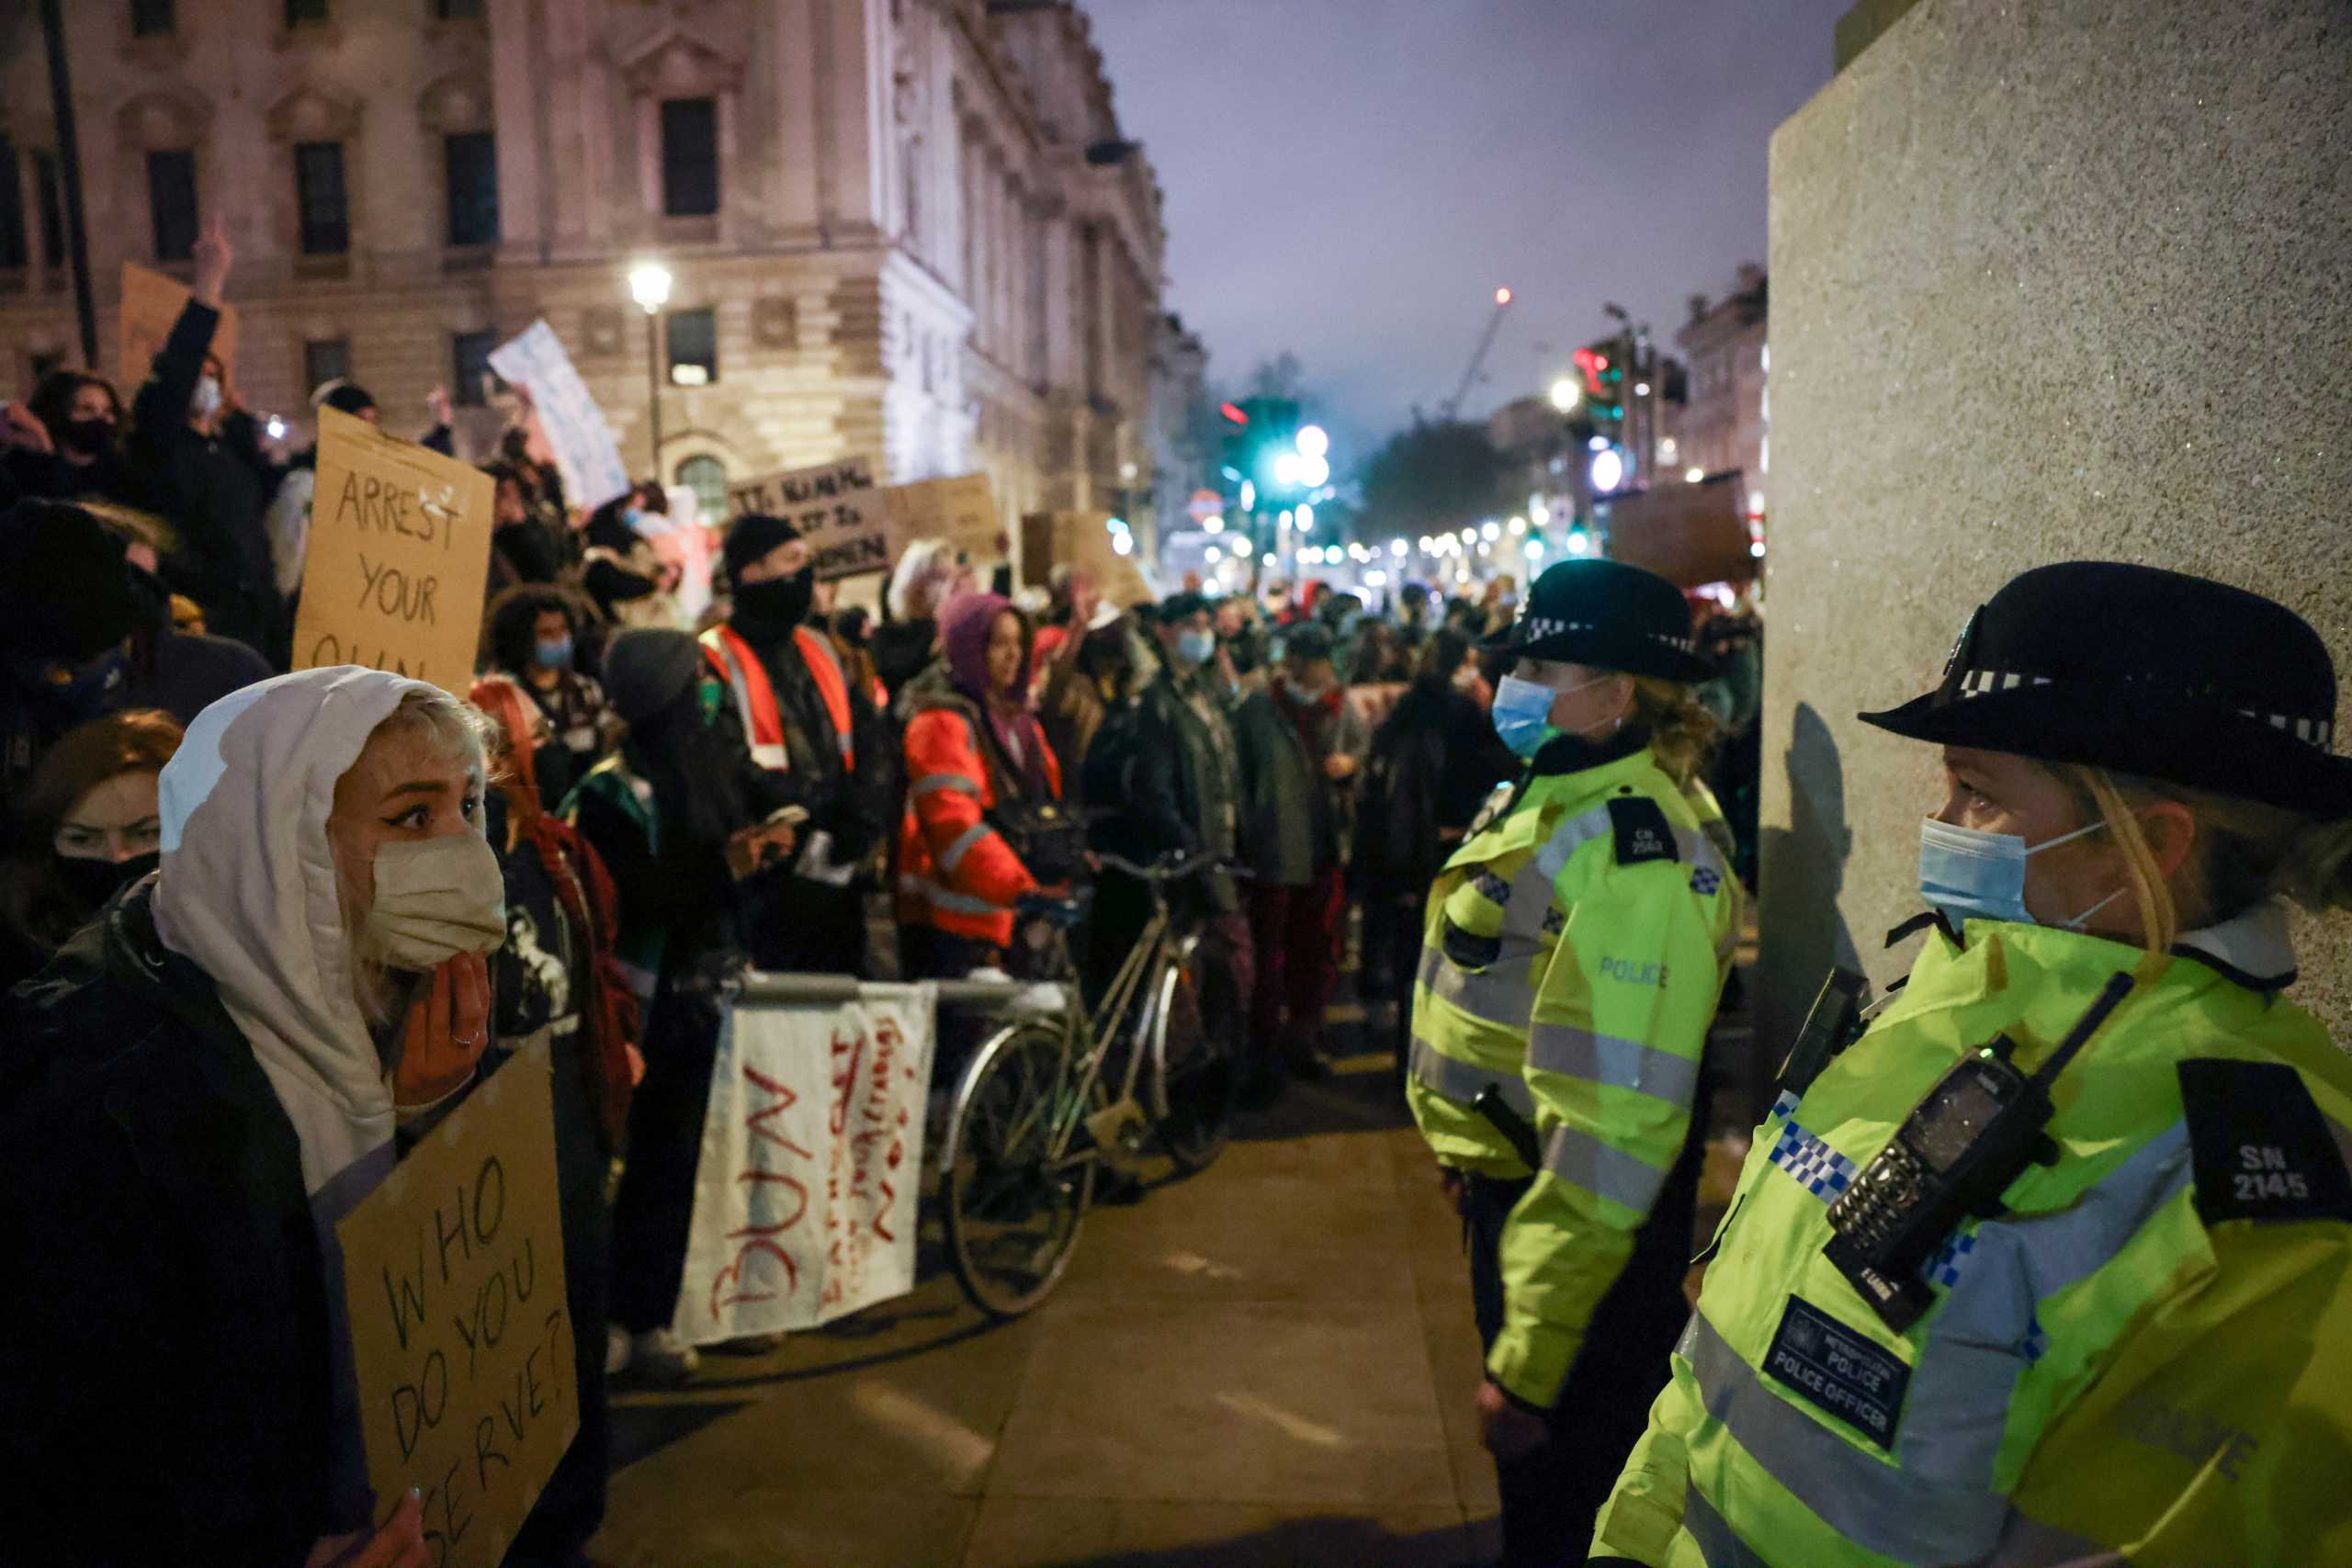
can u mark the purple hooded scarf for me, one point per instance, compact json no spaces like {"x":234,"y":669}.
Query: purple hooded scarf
{"x":964,"y":633}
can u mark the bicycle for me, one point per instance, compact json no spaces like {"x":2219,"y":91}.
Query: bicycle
{"x":1034,"y":1118}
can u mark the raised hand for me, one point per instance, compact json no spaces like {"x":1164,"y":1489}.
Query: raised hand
{"x":212,"y":256}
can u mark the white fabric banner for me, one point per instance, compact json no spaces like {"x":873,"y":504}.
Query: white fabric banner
{"x":811,"y":1165}
{"x":585,"y":452}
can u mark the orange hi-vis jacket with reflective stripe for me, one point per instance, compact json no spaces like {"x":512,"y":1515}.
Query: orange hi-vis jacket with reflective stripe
{"x":732,"y":658}
{"x":955,"y":872}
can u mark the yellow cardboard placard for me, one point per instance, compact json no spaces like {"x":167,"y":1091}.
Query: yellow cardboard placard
{"x":399,"y":553}
{"x":1083,"y":539}
{"x":961,"y":510}
{"x":150,"y":304}
{"x":837,"y":509}
{"x":453,"y":1281}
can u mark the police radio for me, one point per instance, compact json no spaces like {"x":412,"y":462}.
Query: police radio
{"x":1953,"y":1157}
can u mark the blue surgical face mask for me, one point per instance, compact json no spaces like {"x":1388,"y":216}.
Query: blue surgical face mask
{"x":1967,"y":873}
{"x":552,"y":653}
{"x":634,"y":517}
{"x":1195,"y":647}
{"x":1523,"y":712}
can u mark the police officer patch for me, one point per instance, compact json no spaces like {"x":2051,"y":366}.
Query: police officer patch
{"x":1643,"y":833}
{"x":1838,"y":1370}
{"x":2260,"y":1148}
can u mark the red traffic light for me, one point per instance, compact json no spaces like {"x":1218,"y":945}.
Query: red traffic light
{"x":1233,"y":413}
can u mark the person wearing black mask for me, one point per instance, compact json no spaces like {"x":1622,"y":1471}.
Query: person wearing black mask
{"x":65,"y":441}
{"x":819,"y":738}
{"x":67,"y":605}
{"x":86,"y":826}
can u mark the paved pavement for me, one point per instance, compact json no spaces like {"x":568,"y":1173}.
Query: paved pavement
{"x":1270,"y":1363}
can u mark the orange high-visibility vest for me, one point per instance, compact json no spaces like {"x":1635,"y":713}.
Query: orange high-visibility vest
{"x":740,"y":667}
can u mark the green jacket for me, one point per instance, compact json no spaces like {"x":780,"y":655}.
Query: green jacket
{"x":1574,"y":953}
{"x":2147,"y":1352}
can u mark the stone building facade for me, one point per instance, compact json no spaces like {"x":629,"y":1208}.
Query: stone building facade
{"x":908,"y":228}
{"x":1725,"y":424}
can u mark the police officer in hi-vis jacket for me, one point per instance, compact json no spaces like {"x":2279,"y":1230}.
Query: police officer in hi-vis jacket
{"x":1574,"y":950}
{"x":2048,"y":1266}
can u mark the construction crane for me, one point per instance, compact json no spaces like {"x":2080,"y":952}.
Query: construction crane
{"x":1452,"y":405}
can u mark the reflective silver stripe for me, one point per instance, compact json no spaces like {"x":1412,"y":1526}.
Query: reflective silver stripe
{"x":1604,"y":1058}
{"x":810,"y":641}
{"x":2029,"y":1543}
{"x":1499,"y":994}
{"x":1531,"y":901}
{"x":771,"y":756}
{"x":1869,"y":1501}
{"x":1958,"y":1403}
{"x":1717,"y":1544}
{"x":1599,"y":1167}
{"x":952,"y":856}
{"x":1568,"y":838}
{"x":956,"y":782}
{"x":954,"y":903}
{"x":1460,"y":1082}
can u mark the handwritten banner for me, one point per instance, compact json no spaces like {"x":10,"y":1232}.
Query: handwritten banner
{"x":1083,"y":539}
{"x":151,"y":304}
{"x":398,"y":552}
{"x":586,"y":453}
{"x":452,"y":1279}
{"x":837,"y":509}
{"x":961,"y":510}
{"x":811,"y":1163}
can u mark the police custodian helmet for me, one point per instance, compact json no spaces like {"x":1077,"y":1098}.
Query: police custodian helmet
{"x":2143,"y":671}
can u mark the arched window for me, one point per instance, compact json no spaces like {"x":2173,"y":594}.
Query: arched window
{"x":707,"y":476}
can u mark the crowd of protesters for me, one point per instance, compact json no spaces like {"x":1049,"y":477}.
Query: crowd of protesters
{"x":266,"y":928}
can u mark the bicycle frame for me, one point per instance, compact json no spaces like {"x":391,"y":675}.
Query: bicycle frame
{"x":1106,"y":1024}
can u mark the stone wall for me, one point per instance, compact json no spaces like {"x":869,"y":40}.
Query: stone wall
{"x":2061,"y":281}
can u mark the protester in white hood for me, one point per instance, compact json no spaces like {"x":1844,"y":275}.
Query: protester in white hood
{"x":234,"y":1049}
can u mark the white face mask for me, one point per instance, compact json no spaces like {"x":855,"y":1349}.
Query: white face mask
{"x":207,"y":401}
{"x":434,"y":899}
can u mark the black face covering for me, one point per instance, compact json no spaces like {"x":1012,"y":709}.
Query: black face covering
{"x":87,"y":436}
{"x":556,"y":770}
{"x":92,"y":882}
{"x":770,"y":610}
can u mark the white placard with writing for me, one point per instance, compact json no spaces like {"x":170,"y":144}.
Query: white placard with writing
{"x":584,"y":449}
{"x":811,"y":1165}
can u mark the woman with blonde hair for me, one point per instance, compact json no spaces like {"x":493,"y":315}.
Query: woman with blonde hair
{"x":1574,"y":953}
{"x":2049,"y":1264}
{"x":197,"y":1088}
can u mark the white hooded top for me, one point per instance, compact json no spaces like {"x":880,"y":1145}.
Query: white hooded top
{"x":247,"y":892}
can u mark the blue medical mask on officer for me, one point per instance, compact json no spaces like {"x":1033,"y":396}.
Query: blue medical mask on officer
{"x":1523,"y":712}
{"x":1968,"y":874}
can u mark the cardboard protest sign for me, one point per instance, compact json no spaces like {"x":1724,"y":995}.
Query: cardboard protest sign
{"x":811,"y":1165}
{"x":962,"y":510}
{"x":586,"y":453}
{"x":150,"y":304}
{"x":453,"y":1278}
{"x":837,"y":510}
{"x":398,"y":552}
{"x":1690,"y":535}
{"x":1082,"y":539}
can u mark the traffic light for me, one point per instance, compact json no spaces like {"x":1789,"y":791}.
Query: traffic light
{"x":1263,"y":447}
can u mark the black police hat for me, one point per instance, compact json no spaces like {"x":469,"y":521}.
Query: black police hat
{"x":2145,"y":672}
{"x":1608,"y":614}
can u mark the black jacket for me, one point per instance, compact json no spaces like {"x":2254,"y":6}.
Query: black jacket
{"x":1167,"y":783}
{"x":165,"y":1366}
{"x":1434,"y":759}
{"x":212,"y":489}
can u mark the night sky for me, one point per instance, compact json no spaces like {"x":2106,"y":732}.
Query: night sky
{"x":1350,"y":179}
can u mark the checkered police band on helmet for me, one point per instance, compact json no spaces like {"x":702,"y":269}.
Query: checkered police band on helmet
{"x":2143,"y":671}
{"x":1610,"y":616}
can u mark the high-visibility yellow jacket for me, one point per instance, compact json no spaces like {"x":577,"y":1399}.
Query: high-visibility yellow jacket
{"x":2148,"y":1352}
{"x":1574,"y":952}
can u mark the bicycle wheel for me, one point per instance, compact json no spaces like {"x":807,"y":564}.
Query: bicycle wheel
{"x":1010,"y":1221}
{"x":1196,"y":1063}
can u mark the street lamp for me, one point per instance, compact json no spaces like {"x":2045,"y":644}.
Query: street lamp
{"x":649,"y":285}
{"x":1567,"y":395}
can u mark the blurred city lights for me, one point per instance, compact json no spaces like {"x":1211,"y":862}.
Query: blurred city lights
{"x":1566,"y":394}
{"x":1608,"y":469}
{"x":1694,"y":475}
{"x":1396,"y":546}
{"x":1213,"y":524}
{"x":1248,"y":496}
{"x":1306,"y":517}
{"x":1287,"y":468}
{"x":1502,"y":296}
{"x":1489,"y":531}
{"x":1313,"y":472}
{"x":1313,"y":442}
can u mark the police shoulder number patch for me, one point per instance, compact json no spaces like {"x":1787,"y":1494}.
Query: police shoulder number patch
{"x":2259,"y":1147}
{"x":1641,"y":830}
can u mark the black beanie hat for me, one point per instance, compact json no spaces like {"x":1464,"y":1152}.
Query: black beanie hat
{"x":647,"y":669}
{"x":753,"y":535}
{"x":342,"y":396}
{"x":69,"y":591}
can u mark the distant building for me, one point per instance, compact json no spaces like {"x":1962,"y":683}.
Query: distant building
{"x":1182,"y":454}
{"x":909,"y":228}
{"x":1725,"y":424}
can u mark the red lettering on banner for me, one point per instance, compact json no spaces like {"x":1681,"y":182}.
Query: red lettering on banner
{"x":761,"y":1238}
